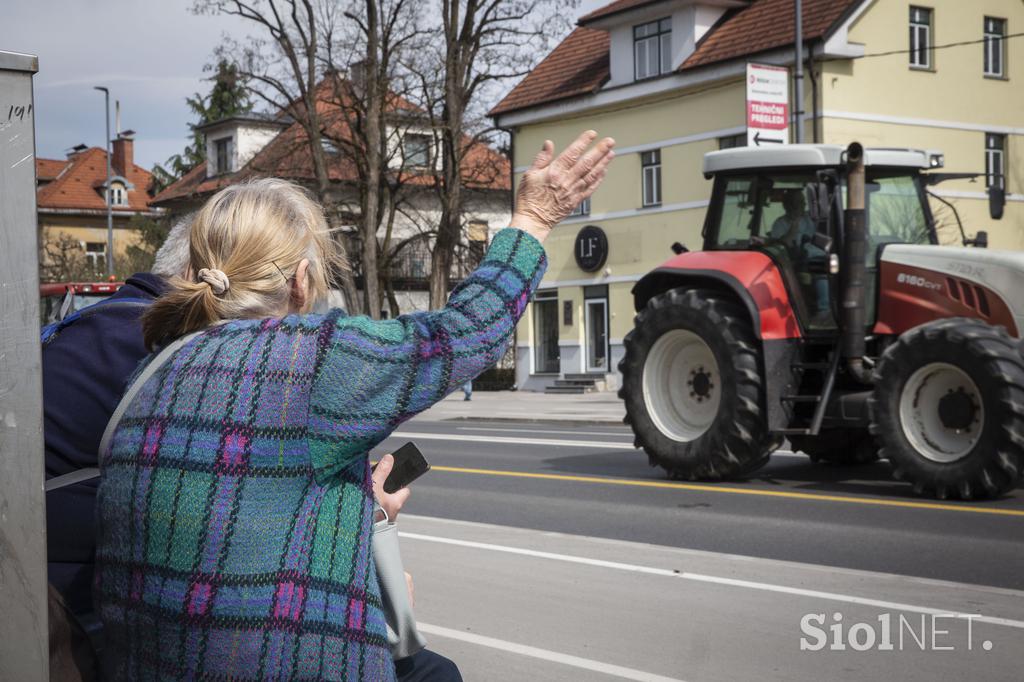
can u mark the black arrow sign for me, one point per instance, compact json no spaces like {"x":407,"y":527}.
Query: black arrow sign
{"x":758,"y":139}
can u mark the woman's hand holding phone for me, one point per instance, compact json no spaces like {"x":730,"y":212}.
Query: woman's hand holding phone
{"x":391,"y":503}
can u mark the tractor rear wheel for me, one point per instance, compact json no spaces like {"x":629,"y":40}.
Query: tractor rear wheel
{"x":948,"y":409}
{"x":848,"y":447}
{"x":691,"y":383}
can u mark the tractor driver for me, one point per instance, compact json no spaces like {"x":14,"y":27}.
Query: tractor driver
{"x":795,"y":229}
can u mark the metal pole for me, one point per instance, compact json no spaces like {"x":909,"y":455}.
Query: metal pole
{"x":110,"y":213}
{"x":798,"y":75}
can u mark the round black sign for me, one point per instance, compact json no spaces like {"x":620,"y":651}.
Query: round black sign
{"x":591,"y":249}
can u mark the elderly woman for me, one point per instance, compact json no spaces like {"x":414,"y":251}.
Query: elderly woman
{"x":235,"y":504}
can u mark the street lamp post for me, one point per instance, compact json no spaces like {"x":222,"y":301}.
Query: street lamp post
{"x":110,"y":214}
{"x":798,"y":76}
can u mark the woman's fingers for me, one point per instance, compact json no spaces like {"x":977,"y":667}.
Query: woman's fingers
{"x":590,"y":160}
{"x":544,"y":156}
{"x":571,"y":154}
{"x":586,"y":185}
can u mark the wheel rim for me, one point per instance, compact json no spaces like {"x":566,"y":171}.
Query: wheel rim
{"x":941,"y":412}
{"x":682,"y":385}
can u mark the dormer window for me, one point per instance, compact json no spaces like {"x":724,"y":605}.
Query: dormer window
{"x":118,"y":195}
{"x":652,"y":49}
{"x":416,"y":150}
{"x":221,"y":148}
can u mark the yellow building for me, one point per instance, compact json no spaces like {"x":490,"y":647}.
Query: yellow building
{"x":666,"y":79}
{"x":72,"y":210}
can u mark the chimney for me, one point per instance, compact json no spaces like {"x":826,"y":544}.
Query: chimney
{"x":123,"y":152}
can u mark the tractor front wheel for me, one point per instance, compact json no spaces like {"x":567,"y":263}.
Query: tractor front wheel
{"x":691,"y":383}
{"x":948,"y":409}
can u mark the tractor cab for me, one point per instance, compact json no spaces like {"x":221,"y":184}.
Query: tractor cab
{"x":787,"y":203}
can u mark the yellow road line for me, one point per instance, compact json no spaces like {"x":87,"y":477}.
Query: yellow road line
{"x":737,"y":491}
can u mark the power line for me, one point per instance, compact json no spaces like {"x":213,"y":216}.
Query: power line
{"x":890,"y":53}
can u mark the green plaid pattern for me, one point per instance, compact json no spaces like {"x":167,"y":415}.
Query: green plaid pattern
{"x":235,"y":502}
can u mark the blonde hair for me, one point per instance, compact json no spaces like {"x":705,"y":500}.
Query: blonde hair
{"x":256,"y":233}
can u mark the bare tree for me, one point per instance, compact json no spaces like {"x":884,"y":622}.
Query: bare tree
{"x":331,"y":66}
{"x":486,"y":43}
{"x":283,"y":68}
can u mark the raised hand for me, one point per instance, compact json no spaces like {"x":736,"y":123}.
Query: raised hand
{"x":553,"y":187}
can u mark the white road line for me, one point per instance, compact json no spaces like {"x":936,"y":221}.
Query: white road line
{"x":507,"y":440}
{"x":623,"y":433}
{"x":544,"y":654}
{"x":515,"y":441}
{"x":731,"y":582}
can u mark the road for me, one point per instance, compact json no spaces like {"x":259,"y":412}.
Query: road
{"x":549,"y":551}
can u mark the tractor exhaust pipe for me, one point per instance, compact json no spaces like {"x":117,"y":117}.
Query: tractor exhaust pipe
{"x":854,"y":268}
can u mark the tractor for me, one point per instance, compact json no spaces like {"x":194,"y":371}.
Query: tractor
{"x":822,"y":310}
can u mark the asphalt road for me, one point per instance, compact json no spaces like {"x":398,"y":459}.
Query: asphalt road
{"x":570,"y":566}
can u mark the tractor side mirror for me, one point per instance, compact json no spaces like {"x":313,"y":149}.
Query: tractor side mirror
{"x":678,"y":248}
{"x":818,"y":205}
{"x":980,"y":240}
{"x":996,"y":201}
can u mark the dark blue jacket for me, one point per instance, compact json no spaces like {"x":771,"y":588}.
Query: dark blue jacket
{"x":86,"y":365}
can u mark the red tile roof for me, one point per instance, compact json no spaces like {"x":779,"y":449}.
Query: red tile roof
{"x":78,"y":185}
{"x":49,"y":169}
{"x":615,"y":8}
{"x":765,"y":25}
{"x":287,"y":156}
{"x":579,"y":65}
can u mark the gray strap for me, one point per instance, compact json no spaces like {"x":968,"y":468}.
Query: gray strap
{"x":133,"y":390}
{"x":70,"y":479}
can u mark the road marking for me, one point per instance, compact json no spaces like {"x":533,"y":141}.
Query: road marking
{"x":544,"y":654}
{"x":507,"y":440}
{"x":624,"y":433}
{"x":718,"y":580}
{"x":516,"y":441}
{"x":674,"y":485}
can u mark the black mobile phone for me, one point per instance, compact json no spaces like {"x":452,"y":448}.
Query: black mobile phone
{"x":410,"y":464}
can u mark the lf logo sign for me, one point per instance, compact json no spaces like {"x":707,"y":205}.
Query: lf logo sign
{"x":591,"y":248}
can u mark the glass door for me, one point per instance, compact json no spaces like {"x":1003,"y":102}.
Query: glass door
{"x":596,"y":320}
{"x":545,"y":333}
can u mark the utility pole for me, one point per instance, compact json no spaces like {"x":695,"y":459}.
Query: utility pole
{"x":110,"y":214}
{"x":798,"y":75}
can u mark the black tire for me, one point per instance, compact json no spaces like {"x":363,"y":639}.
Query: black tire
{"x":845,"y":447}
{"x":737,"y":441}
{"x":993,"y":408}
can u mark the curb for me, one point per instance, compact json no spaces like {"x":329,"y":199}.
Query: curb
{"x":538,"y":420}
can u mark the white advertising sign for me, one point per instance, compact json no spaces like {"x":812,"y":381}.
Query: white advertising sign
{"x":767,"y":105}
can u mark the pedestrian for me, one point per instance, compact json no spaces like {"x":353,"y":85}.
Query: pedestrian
{"x":467,"y":390}
{"x":87,"y":363}
{"x":235,"y":502}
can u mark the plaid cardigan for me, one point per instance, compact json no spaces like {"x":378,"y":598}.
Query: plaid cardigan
{"x":235,"y":502}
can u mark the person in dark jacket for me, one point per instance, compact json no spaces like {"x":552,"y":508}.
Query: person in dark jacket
{"x":87,"y":363}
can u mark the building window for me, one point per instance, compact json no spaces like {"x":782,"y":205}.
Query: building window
{"x":731,"y":141}
{"x":329,"y":146}
{"x":995,"y":160}
{"x":652,"y":49}
{"x":96,"y":255}
{"x":920,"y":38}
{"x":995,"y":47}
{"x":416,"y":150}
{"x":477,"y":234}
{"x":118,"y":196}
{"x":221,"y":147}
{"x":583,"y":208}
{"x":651,"y":168}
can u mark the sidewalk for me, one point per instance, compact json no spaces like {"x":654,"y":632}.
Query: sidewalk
{"x":589,"y":408}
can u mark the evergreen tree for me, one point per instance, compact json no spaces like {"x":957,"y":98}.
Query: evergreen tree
{"x":229,"y":96}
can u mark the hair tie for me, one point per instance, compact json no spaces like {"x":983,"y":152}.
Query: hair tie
{"x":217,"y":280}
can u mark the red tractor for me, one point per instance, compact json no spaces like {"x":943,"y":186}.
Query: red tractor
{"x":822,"y":310}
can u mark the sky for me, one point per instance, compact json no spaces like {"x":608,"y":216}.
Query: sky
{"x":149,"y":53}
